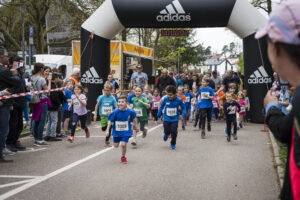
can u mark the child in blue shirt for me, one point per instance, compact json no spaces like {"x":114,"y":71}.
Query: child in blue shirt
{"x":205,"y":105}
{"x":188,"y":102}
{"x":67,"y":107}
{"x":105,"y":105}
{"x":170,"y":107}
{"x":120,"y":120}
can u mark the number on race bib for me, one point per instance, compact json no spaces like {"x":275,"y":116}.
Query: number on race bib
{"x":243,"y":109}
{"x":204,"y":95}
{"x":232,"y":110}
{"x":106,"y":110}
{"x":187,"y":99}
{"x":139,"y":112}
{"x":215,"y":104}
{"x":171,"y":112}
{"x":122,"y":126}
{"x":155,"y":104}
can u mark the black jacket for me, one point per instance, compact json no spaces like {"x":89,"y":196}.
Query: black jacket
{"x":57,"y":98}
{"x":163,"y":82}
{"x":281,"y":127}
{"x":8,"y":82}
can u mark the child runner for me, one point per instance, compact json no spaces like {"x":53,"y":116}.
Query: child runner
{"x":181,"y":95}
{"x":170,"y":106}
{"x":155,"y":104}
{"x":247,"y":116}
{"x":193,"y":102}
{"x":120,"y":120}
{"x":79,"y":112}
{"x":188,"y":104}
{"x":131,"y":95}
{"x":105,"y":105}
{"x":205,"y":106}
{"x":243,"y":105}
{"x":140,"y":106}
{"x":149,"y":97}
{"x":67,"y":107}
{"x":215,"y":110}
{"x":230,"y":109}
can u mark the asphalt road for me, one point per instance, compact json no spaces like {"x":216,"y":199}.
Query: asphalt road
{"x":211,"y":169}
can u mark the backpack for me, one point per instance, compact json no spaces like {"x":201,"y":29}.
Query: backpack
{"x":36,"y":98}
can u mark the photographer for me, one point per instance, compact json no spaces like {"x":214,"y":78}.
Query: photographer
{"x":7,"y":82}
{"x":283,"y":32}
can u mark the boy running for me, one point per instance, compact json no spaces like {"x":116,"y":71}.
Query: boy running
{"x":188,"y":103}
{"x":230,"y":110}
{"x":106,"y":103}
{"x":120,"y":120}
{"x":170,"y":107}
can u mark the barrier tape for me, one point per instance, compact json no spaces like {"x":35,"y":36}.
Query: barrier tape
{"x":11,"y":96}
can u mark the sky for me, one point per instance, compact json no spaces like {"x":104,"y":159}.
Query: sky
{"x":217,"y":38}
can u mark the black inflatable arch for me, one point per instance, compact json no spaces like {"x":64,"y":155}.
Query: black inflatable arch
{"x":114,"y":15}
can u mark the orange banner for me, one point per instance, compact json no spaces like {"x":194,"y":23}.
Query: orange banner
{"x":76,"y":52}
{"x":137,"y":50}
{"x":115,"y":53}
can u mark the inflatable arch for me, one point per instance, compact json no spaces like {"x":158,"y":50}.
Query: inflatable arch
{"x":115,"y":15}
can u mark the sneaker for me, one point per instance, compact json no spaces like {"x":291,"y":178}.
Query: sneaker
{"x":165,"y":138}
{"x":40,"y":143}
{"x":12,"y":148}
{"x":145,"y":131}
{"x":107,"y":144}
{"x":8,"y":152}
{"x":228,"y":138}
{"x":208,"y":127}
{"x":235,"y":136}
{"x":203,"y":134}
{"x":183,"y":128}
{"x":87,"y":132}
{"x":123,"y":160}
{"x":134,"y":143}
{"x":241,"y":125}
{"x":172,"y":146}
{"x":78,"y":129}
{"x":70,"y":139}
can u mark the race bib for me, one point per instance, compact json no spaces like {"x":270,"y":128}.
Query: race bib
{"x":187,"y":99}
{"x":76,"y":103}
{"x":215,"y":104}
{"x":171,"y":112}
{"x":232,"y":110}
{"x":139,"y":112}
{"x":203,"y":95}
{"x":155,"y":104}
{"x":243,"y":109}
{"x":106,"y":110}
{"x":122,"y":126}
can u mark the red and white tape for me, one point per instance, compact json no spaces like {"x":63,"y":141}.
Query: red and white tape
{"x":11,"y":96}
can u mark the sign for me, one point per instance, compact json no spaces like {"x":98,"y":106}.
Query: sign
{"x":175,"y":33}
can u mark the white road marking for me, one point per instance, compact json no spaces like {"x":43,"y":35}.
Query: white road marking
{"x":15,"y":183}
{"x":18,"y":176}
{"x":59,"y":171}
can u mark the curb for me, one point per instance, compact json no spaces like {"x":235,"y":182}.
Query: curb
{"x":279,"y":169}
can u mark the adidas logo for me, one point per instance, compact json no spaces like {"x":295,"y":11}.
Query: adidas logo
{"x":91,"y":76}
{"x":173,"y":12}
{"x":259,"y":76}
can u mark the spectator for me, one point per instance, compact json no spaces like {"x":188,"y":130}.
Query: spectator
{"x":171,"y":74}
{"x":194,"y":82}
{"x":283,"y":38}
{"x":6,"y":83}
{"x":217,"y":79}
{"x":110,"y":79}
{"x":75,"y":77}
{"x":139,"y":78}
{"x":230,"y":77}
{"x":164,"y":80}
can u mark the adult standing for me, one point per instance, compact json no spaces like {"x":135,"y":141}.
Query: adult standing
{"x":39,"y":110}
{"x":217,"y":79}
{"x":194,"y":82}
{"x":6,"y":83}
{"x":283,"y":32}
{"x":139,"y":78}
{"x":164,"y":80}
{"x":230,"y":77}
{"x":75,"y":77}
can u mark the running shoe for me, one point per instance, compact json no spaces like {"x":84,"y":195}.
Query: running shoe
{"x":145,"y":131}
{"x":8,"y":152}
{"x":165,"y":138}
{"x":78,"y":129}
{"x":87,"y":132}
{"x":123,"y":160}
{"x":183,"y":128}
{"x":70,"y":139}
{"x":172,"y":146}
{"x":203,"y":134}
{"x":107,"y":144}
{"x":208,"y":127}
{"x":228,"y":138}
{"x":134,"y":143}
{"x":235,"y":136}
{"x":40,"y":142}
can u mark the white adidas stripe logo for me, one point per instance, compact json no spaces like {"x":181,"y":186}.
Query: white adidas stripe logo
{"x":259,"y":76}
{"x":173,"y":12}
{"x":91,"y":76}
{"x":170,"y":8}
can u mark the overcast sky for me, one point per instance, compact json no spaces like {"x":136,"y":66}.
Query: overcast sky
{"x":217,"y":38}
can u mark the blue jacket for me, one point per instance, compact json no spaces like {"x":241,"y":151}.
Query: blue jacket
{"x":170,"y":108}
{"x":203,"y":102}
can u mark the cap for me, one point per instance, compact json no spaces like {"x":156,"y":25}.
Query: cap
{"x":76,"y":70}
{"x":283,"y":24}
